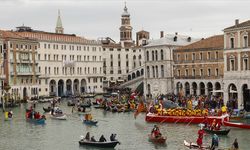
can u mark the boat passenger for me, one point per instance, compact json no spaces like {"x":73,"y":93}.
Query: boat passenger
{"x":102,"y":139}
{"x":215,"y":142}
{"x":199,"y":140}
{"x":87,"y":137}
{"x":9,"y":114}
{"x":156,"y":132}
{"x":213,"y":125}
{"x":218,"y":125}
{"x":112,"y":137}
{"x":235,"y":145}
{"x":93,"y":139}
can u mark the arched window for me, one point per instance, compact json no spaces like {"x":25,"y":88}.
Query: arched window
{"x":148,"y":72}
{"x":147,"y":56}
{"x":153,"y":53}
{"x":156,"y":55}
{"x":162,"y":55}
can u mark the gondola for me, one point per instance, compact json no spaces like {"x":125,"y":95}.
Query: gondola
{"x":59,"y":116}
{"x":161,"y":140}
{"x":90,"y":122}
{"x":237,"y":125}
{"x":192,"y":145}
{"x":99,"y":107}
{"x":47,"y":109}
{"x":86,"y":105}
{"x":36,"y":121}
{"x":218,"y":132}
{"x":110,"y":144}
{"x":70,"y":103}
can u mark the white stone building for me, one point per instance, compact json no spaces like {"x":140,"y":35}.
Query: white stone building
{"x":67,"y":64}
{"x":158,"y":78}
{"x":237,"y":64}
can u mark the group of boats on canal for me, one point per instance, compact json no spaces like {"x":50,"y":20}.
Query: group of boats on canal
{"x":153,"y":114}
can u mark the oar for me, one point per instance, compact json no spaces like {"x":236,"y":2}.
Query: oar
{"x":190,"y":122}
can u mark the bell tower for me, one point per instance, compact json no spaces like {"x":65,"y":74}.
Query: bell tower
{"x":125,"y":29}
{"x":59,"y":27}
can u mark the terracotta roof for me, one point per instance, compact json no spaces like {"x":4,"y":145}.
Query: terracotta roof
{"x":10,"y":34}
{"x":243,"y":24}
{"x":213,"y":42}
{"x":48,"y":36}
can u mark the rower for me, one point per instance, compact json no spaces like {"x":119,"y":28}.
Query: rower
{"x":93,"y":139}
{"x":235,"y":145}
{"x":215,"y":142}
{"x":102,"y":139}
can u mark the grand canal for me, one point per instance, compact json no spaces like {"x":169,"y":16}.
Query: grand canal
{"x":64,"y":135}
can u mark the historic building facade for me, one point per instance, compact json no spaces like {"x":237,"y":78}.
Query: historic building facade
{"x":20,"y":65}
{"x":2,"y":75}
{"x":236,"y":62}
{"x":158,"y":78}
{"x":198,"y":67}
{"x":123,"y":61}
{"x":67,"y":64}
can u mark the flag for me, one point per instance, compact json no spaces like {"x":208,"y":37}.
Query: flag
{"x":140,"y":108}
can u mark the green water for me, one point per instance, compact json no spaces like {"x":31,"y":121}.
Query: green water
{"x":133,"y":134}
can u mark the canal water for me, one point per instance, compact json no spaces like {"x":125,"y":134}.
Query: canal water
{"x":133,"y":134}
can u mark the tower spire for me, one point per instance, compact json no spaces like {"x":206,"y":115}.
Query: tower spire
{"x":126,"y":28}
{"x":59,"y":27}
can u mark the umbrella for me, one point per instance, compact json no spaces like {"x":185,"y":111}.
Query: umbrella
{"x":169,"y":104}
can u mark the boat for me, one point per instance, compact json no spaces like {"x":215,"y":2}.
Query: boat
{"x":237,"y":125}
{"x":90,"y":122}
{"x":36,"y":121}
{"x":151,"y":117}
{"x":58,"y":116}
{"x":47,"y":109}
{"x":218,"y":132}
{"x":86,"y":105}
{"x":161,"y":140}
{"x":192,"y":145}
{"x":110,"y":144}
{"x":70,"y":103}
{"x":99,"y":107}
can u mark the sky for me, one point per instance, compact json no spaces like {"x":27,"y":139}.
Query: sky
{"x":102,"y":18}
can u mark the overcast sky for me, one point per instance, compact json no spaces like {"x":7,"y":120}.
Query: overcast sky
{"x":101,"y":18}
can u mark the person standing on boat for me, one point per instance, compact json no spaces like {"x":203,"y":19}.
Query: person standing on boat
{"x":87,"y":137}
{"x":215,"y":142}
{"x":112,"y":137}
{"x":235,"y":145}
{"x":199,"y":140}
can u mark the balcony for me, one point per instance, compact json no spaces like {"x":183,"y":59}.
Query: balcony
{"x":22,"y":73}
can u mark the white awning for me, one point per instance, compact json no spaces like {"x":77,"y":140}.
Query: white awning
{"x":217,"y":91}
{"x":233,"y":91}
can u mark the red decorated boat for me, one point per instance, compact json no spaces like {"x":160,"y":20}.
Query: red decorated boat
{"x":237,"y":125}
{"x":151,"y":117}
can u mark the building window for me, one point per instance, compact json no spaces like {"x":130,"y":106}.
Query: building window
{"x":208,"y":55}
{"x":186,"y":72}
{"x":153,"y":69}
{"x":147,"y":56}
{"x":245,"y":41}
{"x":178,"y":57}
{"x":201,"y":72}
{"x":193,"y":73}
{"x":245,"y":63}
{"x":119,"y":56}
{"x":111,"y":64}
{"x":162,"y":56}
{"x":148,"y":72}
{"x":232,"y":42}
{"x":156,"y":55}
{"x":111,"y":56}
{"x":153,"y":58}
{"x":156,"y":70}
{"x":178,"y":73}
{"x":232,"y":65}
{"x":216,"y":72}
{"x":162,"y":71}
{"x":216,"y":55}
{"x":209,"y":72}
{"x":201,"y":56}
{"x":193,"y":56}
{"x":186,"y":57}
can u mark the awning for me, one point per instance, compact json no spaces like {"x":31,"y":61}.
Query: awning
{"x":233,"y":91}
{"x":217,"y":91}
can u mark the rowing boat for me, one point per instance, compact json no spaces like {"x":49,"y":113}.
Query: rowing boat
{"x":110,"y":144}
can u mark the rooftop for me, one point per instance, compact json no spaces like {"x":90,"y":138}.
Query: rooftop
{"x":173,"y":40}
{"x":239,"y":25}
{"x":213,"y":42}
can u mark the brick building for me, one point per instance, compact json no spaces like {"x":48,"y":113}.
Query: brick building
{"x":198,"y":67}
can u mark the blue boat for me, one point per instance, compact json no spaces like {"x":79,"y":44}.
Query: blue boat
{"x":36,"y":121}
{"x":90,"y":122}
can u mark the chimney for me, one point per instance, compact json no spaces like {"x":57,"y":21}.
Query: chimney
{"x":236,"y":22}
{"x":162,"y":34}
